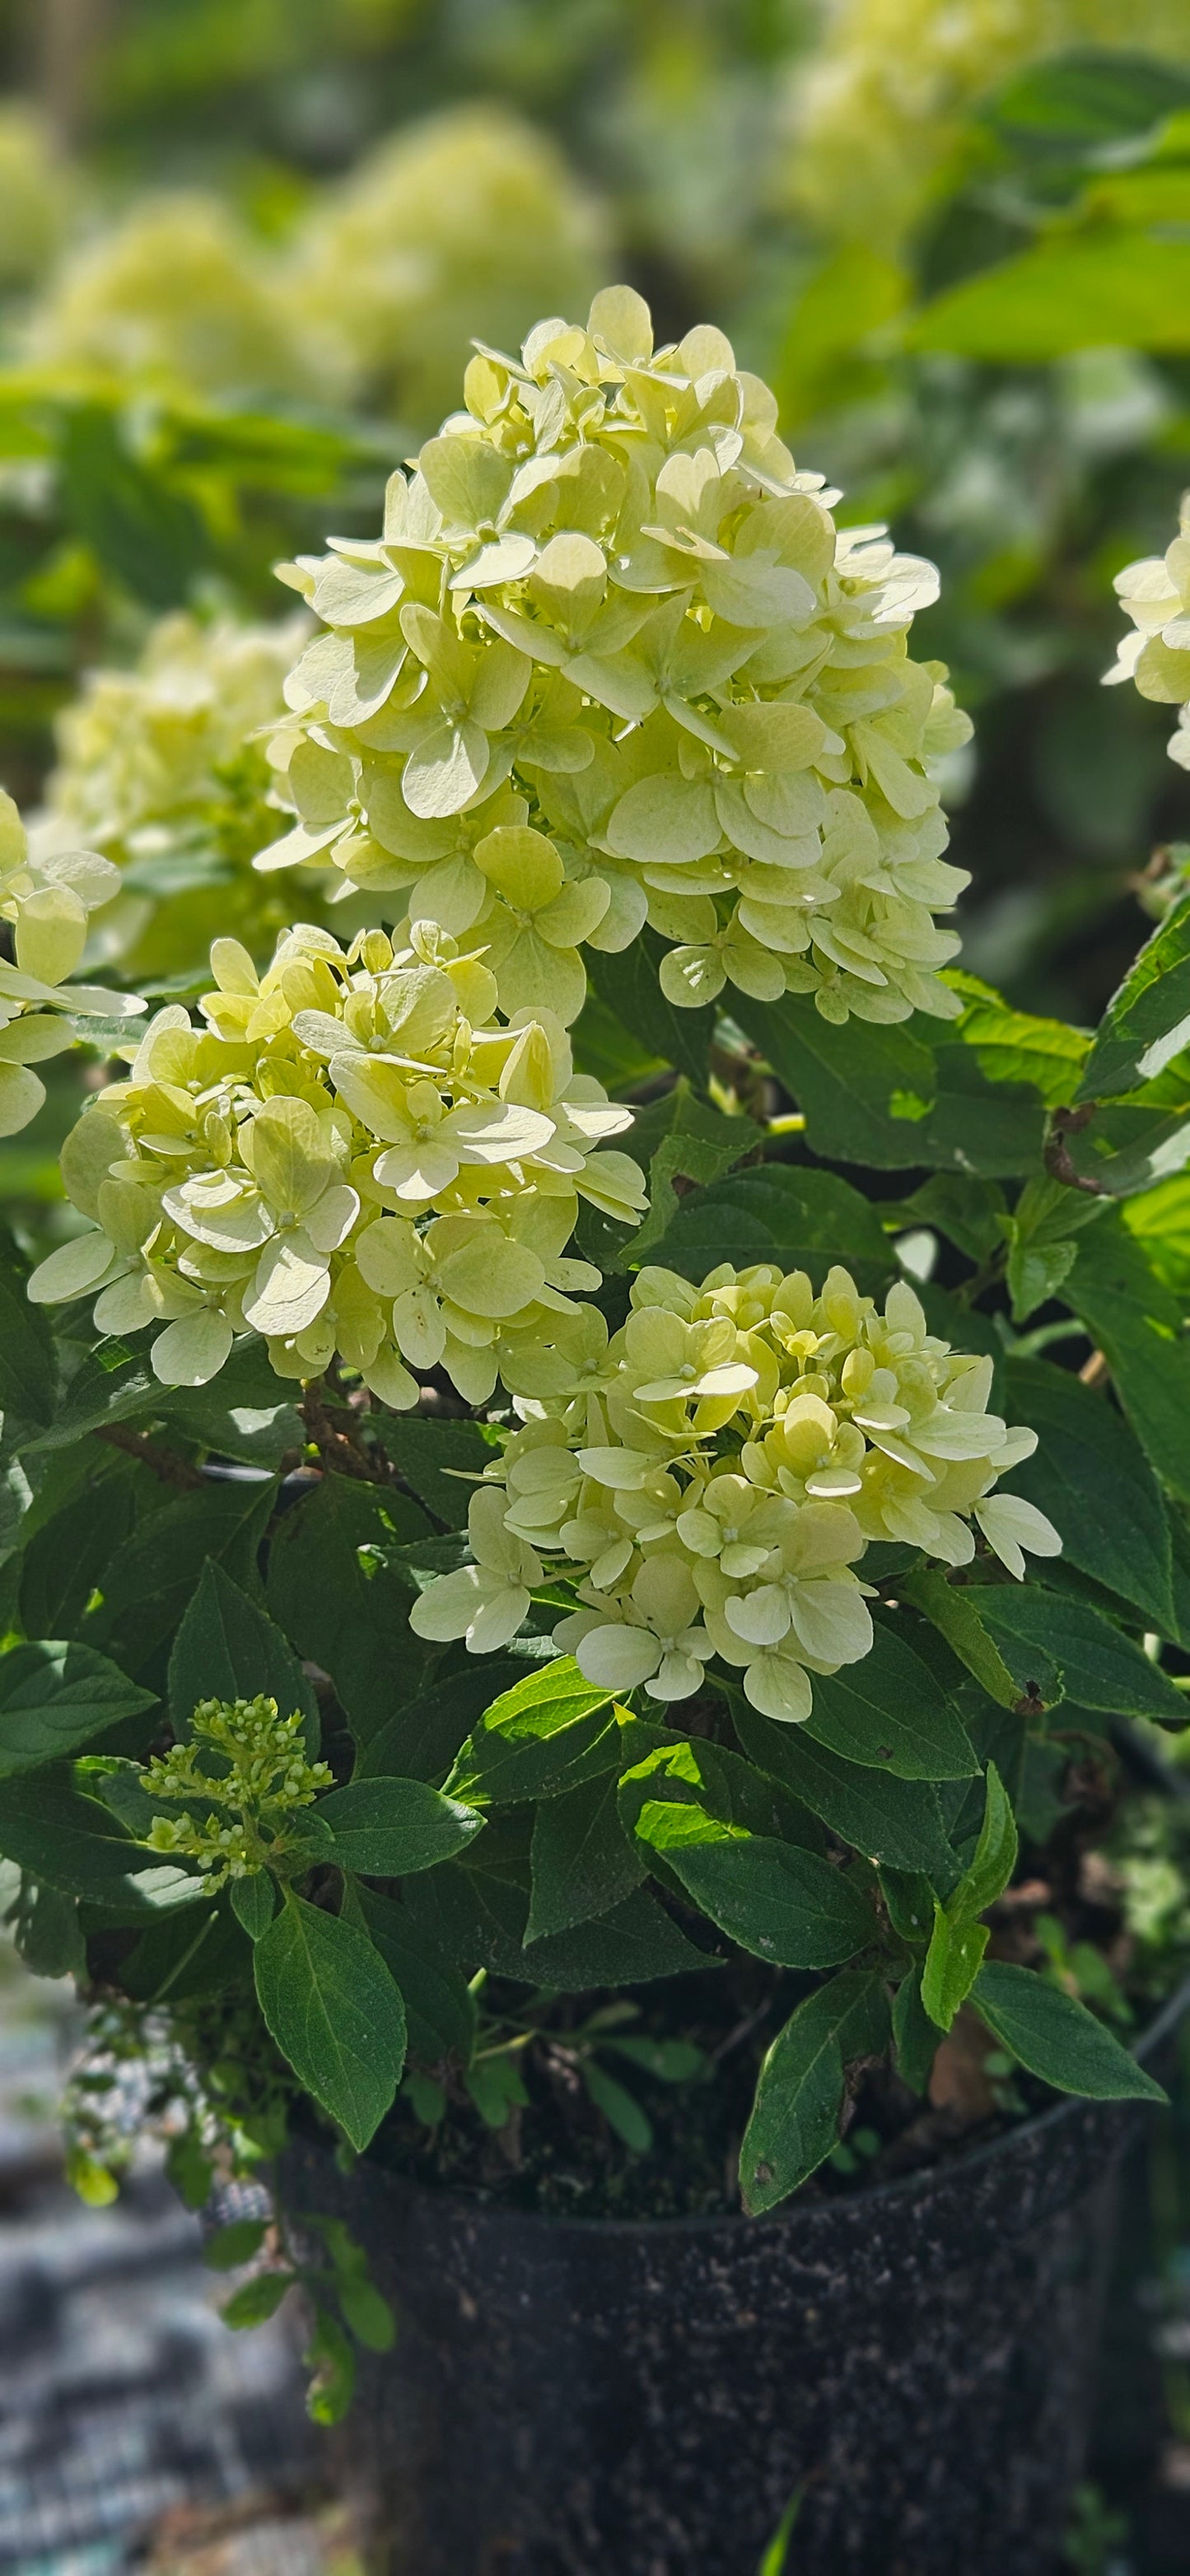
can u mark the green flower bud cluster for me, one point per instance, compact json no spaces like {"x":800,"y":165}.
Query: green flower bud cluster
{"x":159,"y":767}
{"x":245,"y":1765}
{"x":709,"y":1478}
{"x":465,"y":221}
{"x":352,"y":1156}
{"x":877,"y":114}
{"x":611,"y":661}
{"x":1156,"y":594}
{"x":174,"y":297}
{"x":46,"y":901}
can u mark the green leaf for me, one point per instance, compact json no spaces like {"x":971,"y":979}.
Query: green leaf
{"x":583,"y":1861}
{"x":783,"y":1212}
{"x":422,"y":1740}
{"x":256,"y":2301}
{"x":481,"y":1919}
{"x":799,"y":2098}
{"x":787,"y":1906}
{"x":1016,"y":1046}
{"x":439,"y":1461}
{"x":1073,"y":104}
{"x":333,"y":1591}
{"x":891,"y":1098}
{"x":54,"y":1697}
{"x":28,"y":1355}
{"x":886,"y":1819}
{"x":994,"y":1858}
{"x":915,"y":2036}
{"x":1057,"y":2038}
{"x":545,"y":1735}
{"x":153,"y":1575}
{"x":57,"y":1833}
{"x":681,"y":1137}
{"x":390,"y":1828}
{"x":951,"y":1609}
{"x":1090,"y":1476}
{"x":965,"y":1209}
{"x":228,"y":1648}
{"x":194,"y":1951}
{"x":627,"y":983}
{"x":334,"y":2012}
{"x":1072,"y":1650}
{"x":254,"y":1903}
{"x":888,"y":1713}
{"x":147,"y":533}
{"x":621,"y":2111}
{"x":1138,"y":1324}
{"x":708,"y":1778}
{"x":439,"y":2004}
{"x":227,"y":2247}
{"x":952,"y":1960}
{"x":1123,"y":288}
{"x":1147,"y":1021}
{"x":368,"y":2314}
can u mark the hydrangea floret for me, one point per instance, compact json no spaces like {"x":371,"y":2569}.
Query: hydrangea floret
{"x":46,"y":902}
{"x":161,"y":768}
{"x":247,"y":1767}
{"x":1156,"y":655}
{"x":611,"y":661}
{"x":708,"y":1481}
{"x":352,"y":1156}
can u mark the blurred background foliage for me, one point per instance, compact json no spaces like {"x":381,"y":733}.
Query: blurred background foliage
{"x":247,"y":242}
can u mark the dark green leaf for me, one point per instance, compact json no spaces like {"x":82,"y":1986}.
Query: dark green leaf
{"x":66,"y":1557}
{"x":915,"y":2036}
{"x":1090,"y":1476}
{"x":1128,"y":288}
{"x":227,"y":2247}
{"x":149,"y":535}
{"x":421,"y":1741}
{"x":54,"y":1697}
{"x":439,"y":1461}
{"x":1057,"y":2038}
{"x":228,"y":1648}
{"x":254,"y":1903}
{"x":368,"y":2314}
{"x":334,"y":2012}
{"x":681,"y":1137}
{"x":952,"y":1609}
{"x":390,"y":1828}
{"x":1137,"y":1322}
{"x":1072,"y":1650}
{"x":583,"y":1861}
{"x":257,"y":2300}
{"x":786,"y":1906}
{"x":52,"y":1829}
{"x":545,"y":1735}
{"x":481,"y":1919}
{"x":782,"y":1212}
{"x":1147,"y":1021}
{"x":627,"y":984}
{"x":619,"y":2109}
{"x":152,"y":1577}
{"x":439,"y":2004}
{"x":799,"y":2098}
{"x":884,"y":1818}
{"x":28,"y":1358}
{"x":706,"y":1776}
{"x":332,"y":1589}
{"x":889,"y":1713}
{"x":890,"y":1098}
{"x":994,"y":1858}
{"x":1073,"y":104}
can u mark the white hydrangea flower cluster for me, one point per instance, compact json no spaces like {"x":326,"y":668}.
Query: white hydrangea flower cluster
{"x":877,"y":113}
{"x":611,"y":661}
{"x":46,"y":903}
{"x":175,"y":296}
{"x":709,"y":1479}
{"x":1156,"y":594}
{"x":350,"y":1157}
{"x":462,"y":222}
{"x":159,"y":767}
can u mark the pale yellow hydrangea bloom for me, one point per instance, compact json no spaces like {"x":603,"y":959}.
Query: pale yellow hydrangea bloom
{"x":876,"y":116}
{"x":710,"y":1478}
{"x":611,"y":661}
{"x":160,"y":767}
{"x":464,"y":222}
{"x":46,"y":903}
{"x":175,"y":297}
{"x":37,"y":192}
{"x":352,"y":1157}
{"x":1156,"y":594}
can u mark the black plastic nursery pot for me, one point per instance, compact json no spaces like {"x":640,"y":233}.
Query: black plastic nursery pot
{"x":589,"y":2398}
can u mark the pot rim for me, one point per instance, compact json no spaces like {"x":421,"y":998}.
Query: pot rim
{"x":1156,"y":2032}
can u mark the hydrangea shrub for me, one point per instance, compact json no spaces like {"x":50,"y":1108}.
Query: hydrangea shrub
{"x":480,"y":1537}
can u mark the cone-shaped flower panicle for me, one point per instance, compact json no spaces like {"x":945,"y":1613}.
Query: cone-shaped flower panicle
{"x":352,"y":1156}
{"x":708,"y":1480}
{"x":611,"y":661}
